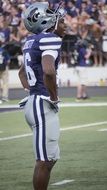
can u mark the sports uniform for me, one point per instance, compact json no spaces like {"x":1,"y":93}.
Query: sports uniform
{"x":41,"y":57}
{"x":38,"y":112}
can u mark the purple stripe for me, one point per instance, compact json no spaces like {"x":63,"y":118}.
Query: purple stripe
{"x":37,"y":128}
{"x":44,"y":130}
{"x":50,"y":43}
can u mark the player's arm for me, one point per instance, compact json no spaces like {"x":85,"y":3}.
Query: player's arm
{"x":48,"y":65}
{"x":23,"y":78}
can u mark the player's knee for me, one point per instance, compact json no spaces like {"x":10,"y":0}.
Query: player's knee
{"x":46,"y":165}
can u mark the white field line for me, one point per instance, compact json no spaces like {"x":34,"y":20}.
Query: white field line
{"x":15,"y":137}
{"x":77,"y":104}
{"x":62,"y":129}
{"x":61,"y":105}
{"x":102,"y":130}
{"x":63,"y":182}
{"x":80,"y":104}
{"x":85,"y":125}
{"x":9,"y":106}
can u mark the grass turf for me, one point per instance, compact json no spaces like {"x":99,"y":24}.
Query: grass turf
{"x":83,"y":151}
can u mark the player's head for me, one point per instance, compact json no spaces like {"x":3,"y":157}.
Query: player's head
{"x":38,"y":17}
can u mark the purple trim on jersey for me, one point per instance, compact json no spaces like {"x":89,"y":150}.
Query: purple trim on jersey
{"x":47,"y":36}
{"x":50,"y":43}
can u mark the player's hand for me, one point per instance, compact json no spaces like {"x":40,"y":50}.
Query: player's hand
{"x":54,"y":105}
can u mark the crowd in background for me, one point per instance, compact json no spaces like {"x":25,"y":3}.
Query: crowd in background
{"x":87,"y":31}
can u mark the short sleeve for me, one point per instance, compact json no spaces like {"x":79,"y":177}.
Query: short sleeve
{"x":53,"y":53}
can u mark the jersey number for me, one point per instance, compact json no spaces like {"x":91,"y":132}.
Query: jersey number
{"x":30,"y":73}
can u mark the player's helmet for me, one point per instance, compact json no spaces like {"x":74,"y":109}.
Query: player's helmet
{"x":38,"y":17}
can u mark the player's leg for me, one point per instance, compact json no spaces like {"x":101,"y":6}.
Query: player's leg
{"x":5,"y":85}
{"x":47,"y":153}
{"x":42,"y":174}
{"x":84,"y":92}
{"x":45,"y":126}
{"x":82,"y":88}
{"x":79,"y":91}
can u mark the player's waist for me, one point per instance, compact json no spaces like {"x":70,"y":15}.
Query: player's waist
{"x":40,"y":91}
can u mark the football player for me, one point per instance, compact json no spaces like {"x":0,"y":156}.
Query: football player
{"x":38,"y":75}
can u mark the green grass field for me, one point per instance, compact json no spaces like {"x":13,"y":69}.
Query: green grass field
{"x":83,"y":150}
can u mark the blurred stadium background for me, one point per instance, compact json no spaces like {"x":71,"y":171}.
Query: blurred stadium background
{"x":87,"y":29}
{"x":83,"y":142}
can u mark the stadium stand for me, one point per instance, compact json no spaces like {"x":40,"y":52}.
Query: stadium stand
{"x":87,"y":27}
